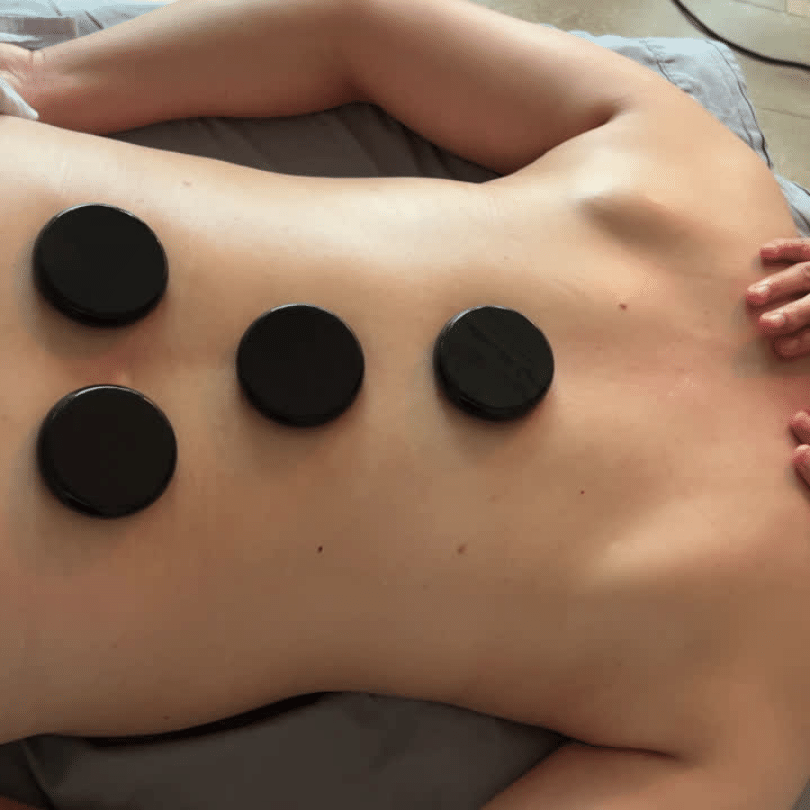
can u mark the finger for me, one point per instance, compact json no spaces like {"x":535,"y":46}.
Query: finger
{"x":801,"y":462}
{"x":800,"y":425}
{"x":795,"y":249}
{"x":793,"y":280}
{"x":792,"y":347}
{"x":786,"y":320}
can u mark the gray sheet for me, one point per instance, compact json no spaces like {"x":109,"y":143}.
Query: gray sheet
{"x":363,"y":752}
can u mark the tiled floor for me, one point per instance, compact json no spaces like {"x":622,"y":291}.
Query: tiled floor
{"x":776,"y":28}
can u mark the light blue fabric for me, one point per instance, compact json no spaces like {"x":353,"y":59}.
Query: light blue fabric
{"x":362,"y":752}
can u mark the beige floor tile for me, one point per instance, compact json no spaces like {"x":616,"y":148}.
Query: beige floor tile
{"x":762,"y":30}
{"x":799,"y":7}
{"x":629,"y":18}
{"x":776,"y":5}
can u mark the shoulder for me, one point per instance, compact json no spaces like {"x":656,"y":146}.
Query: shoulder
{"x":654,"y":137}
{"x":665,"y":162}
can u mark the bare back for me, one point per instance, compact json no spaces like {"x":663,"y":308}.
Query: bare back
{"x":606,"y":567}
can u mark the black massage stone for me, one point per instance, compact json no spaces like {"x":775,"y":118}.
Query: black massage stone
{"x":100,"y":265}
{"x":106,"y":451}
{"x":493,"y":363}
{"x":300,"y":365}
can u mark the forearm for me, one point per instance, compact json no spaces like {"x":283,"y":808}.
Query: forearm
{"x":493,"y":88}
{"x":230,"y":58}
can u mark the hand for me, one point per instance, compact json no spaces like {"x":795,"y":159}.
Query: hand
{"x":788,"y":294}
{"x":792,"y":283}
{"x":800,"y":425}
{"x":16,"y":81}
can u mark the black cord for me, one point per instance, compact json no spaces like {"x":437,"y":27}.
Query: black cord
{"x":698,"y":24}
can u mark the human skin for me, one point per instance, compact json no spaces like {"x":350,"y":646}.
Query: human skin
{"x":597,"y":568}
{"x":786,"y":292}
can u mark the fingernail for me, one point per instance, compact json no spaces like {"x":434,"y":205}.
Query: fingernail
{"x":758,"y":289}
{"x":774,"y":318}
{"x":790,"y":346}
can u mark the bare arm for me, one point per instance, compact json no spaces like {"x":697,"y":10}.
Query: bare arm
{"x":497,"y":90}
{"x":228,"y":58}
